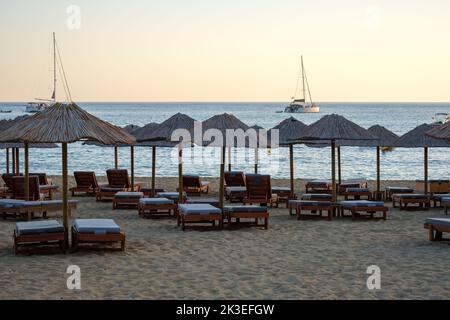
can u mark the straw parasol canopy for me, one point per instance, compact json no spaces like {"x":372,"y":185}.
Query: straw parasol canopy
{"x":334,"y":128}
{"x":440,"y":132}
{"x":289,"y":129}
{"x":63,"y":123}
{"x":418,"y":138}
{"x":165,"y":129}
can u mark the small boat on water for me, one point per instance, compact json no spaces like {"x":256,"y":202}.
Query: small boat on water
{"x":41,"y":104}
{"x":441,"y":118}
{"x":5,"y":111}
{"x":301,"y":105}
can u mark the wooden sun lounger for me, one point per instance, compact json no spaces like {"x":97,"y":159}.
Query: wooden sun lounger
{"x":28,"y":209}
{"x":199,"y":213}
{"x":445,"y":202}
{"x":156,"y":207}
{"x":364,"y":209}
{"x":193,"y":186}
{"x":34,"y":188}
{"x":352,"y":183}
{"x":292,"y":204}
{"x":259,"y":190}
{"x":254,"y":213}
{"x":45,"y":184}
{"x":86,"y":183}
{"x":127,"y":198}
{"x":319,"y":186}
{"x":37,"y":233}
{"x":437,"y":199}
{"x":118,"y":180}
{"x":356,"y":193}
{"x":9,"y":185}
{"x":436,"y":227}
{"x":92,"y":231}
{"x":422,"y":201}
{"x":316,"y":208}
{"x":390,"y":191}
{"x":235,"y":194}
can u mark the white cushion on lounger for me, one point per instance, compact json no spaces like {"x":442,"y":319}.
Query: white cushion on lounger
{"x":128,"y":195}
{"x":235,"y":190}
{"x":445,"y":200}
{"x":438,"y":221}
{"x":198,"y":209}
{"x":97,"y":226}
{"x":245,"y":209}
{"x":155,"y":201}
{"x":38,"y":227}
{"x":310,"y":203}
{"x":441,"y":196}
{"x":362,"y":203}
{"x":55,"y":203}
{"x":14,"y":203}
{"x":170,"y":195}
{"x":211,"y":201}
{"x":322,"y":196}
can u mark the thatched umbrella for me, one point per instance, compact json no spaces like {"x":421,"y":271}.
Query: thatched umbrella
{"x":289,"y":129}
{"x":418,"y":138}
{"x":63,"y":123}
{"x":440,"y":132}
{"x":5,"y":124}
{"x":221,"y":124}
{"x":335,"y":128}
{"x":163,"y":134}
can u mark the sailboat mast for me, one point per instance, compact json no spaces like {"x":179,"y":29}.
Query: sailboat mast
{"x":54,"y":68}
{"x":303,"y":79}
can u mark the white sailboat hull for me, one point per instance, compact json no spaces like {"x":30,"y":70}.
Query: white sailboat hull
{"x":300,"y":108}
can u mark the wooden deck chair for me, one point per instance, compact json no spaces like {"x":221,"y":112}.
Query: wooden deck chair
{"x":193,"y":186}
{"x":34,"y":188}
{"x":234,"y":178}
{"x":86,"y":183}
{"x":259,"y":190}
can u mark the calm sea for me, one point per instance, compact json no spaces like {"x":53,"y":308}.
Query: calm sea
{"x":402,"y":164}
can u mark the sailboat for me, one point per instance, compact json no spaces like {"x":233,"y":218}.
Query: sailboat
{"x":41,"y":104}
{"x":301,"y":105}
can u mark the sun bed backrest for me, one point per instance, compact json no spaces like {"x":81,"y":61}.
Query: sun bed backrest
{"x":258,"y":186}
{"x":19,"y":188}
{"x":86,"y":179}
{"x":43,"y":181}
{"x":8,"y":179}
{"x":191,"y":181}
{"x":118,"y":178}
{"x":235,"y":179}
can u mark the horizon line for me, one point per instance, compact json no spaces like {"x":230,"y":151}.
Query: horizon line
{"x":230,"y":101}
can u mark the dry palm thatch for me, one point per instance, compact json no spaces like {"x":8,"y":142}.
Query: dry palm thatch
{"x":130,"y":128}
{"x":335,"y":127}
{"x":419,"y":138}
{"x":7,"y":123}
{"x":145,"y":131}
{"x":32,"y":145}
{"x":65,"y":123}
{"x":165,"y":129}
{"x":288,"y":129}
{"x":440,"y":132}
{"x":221,"y":123}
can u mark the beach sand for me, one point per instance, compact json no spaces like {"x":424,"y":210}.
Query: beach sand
{"x":292,"y":260}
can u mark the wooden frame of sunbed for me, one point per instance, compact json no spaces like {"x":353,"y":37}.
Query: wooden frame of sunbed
{"x":445,"y":205}
{"x":45,"y":185}
{"x":369,"y":210}
{"x":247,"y":215}
{"x":193,"y":186}
{"x":157,"y":210}
{"x":30,"y":210}
{"x":435,"y":232}
{"x":330,"y":209}
{"x":234,"y":178}
{"x":352,"y":183}
{"x":78,"y":238}
{"x":39,"y":239}
{"x":315,"y":187}
{"x":19,"y":188}
{"x":422,"y":204}
{"x":86,"y":183}
{"x":235,"y":196}
{"x":117,"y":202}
{"x":390,"y":193}
{"x":356,"y":194}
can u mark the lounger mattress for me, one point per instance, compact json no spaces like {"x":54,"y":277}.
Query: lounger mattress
{"x":155,"y":201}
{"x":361,"y":203}
{"x":198,"y":209}
{"x":245,"y":209}
{"x":96,"y":226}
{"x":321,"y":196}
{"x":128,"y":195}
{"x":38,"y":227}
{"x":438,"y":221}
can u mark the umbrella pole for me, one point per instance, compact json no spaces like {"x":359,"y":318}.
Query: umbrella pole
{"x":378,"y":171}
{"x":65,"y":193}
{"x":425,"y":165}
{"x":229,"y":159}
{"x":291,"y":165}
{"x":17,"y":160}
{"x":13,"y":162}
{"x":27,"y":178}
{"x":132,"y":167}
{"x":256,"y":160}
{"x":180,"y":173}
{"x":221,"y":182}
{"x":116,"y":158}
{"x":7,"y":160}
{"x":339,"y":164}
{"x":153,"y":170}
{"x":333,"y":169}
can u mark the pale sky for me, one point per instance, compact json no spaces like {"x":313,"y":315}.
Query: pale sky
{"x":233,"y":50}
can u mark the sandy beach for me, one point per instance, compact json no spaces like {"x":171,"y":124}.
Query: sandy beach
{"x":292,"y":260}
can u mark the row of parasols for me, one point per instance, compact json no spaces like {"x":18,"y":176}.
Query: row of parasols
{"x":68,"y":123}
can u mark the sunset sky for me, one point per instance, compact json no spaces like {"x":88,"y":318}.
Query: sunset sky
{"x":234,"y":50}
